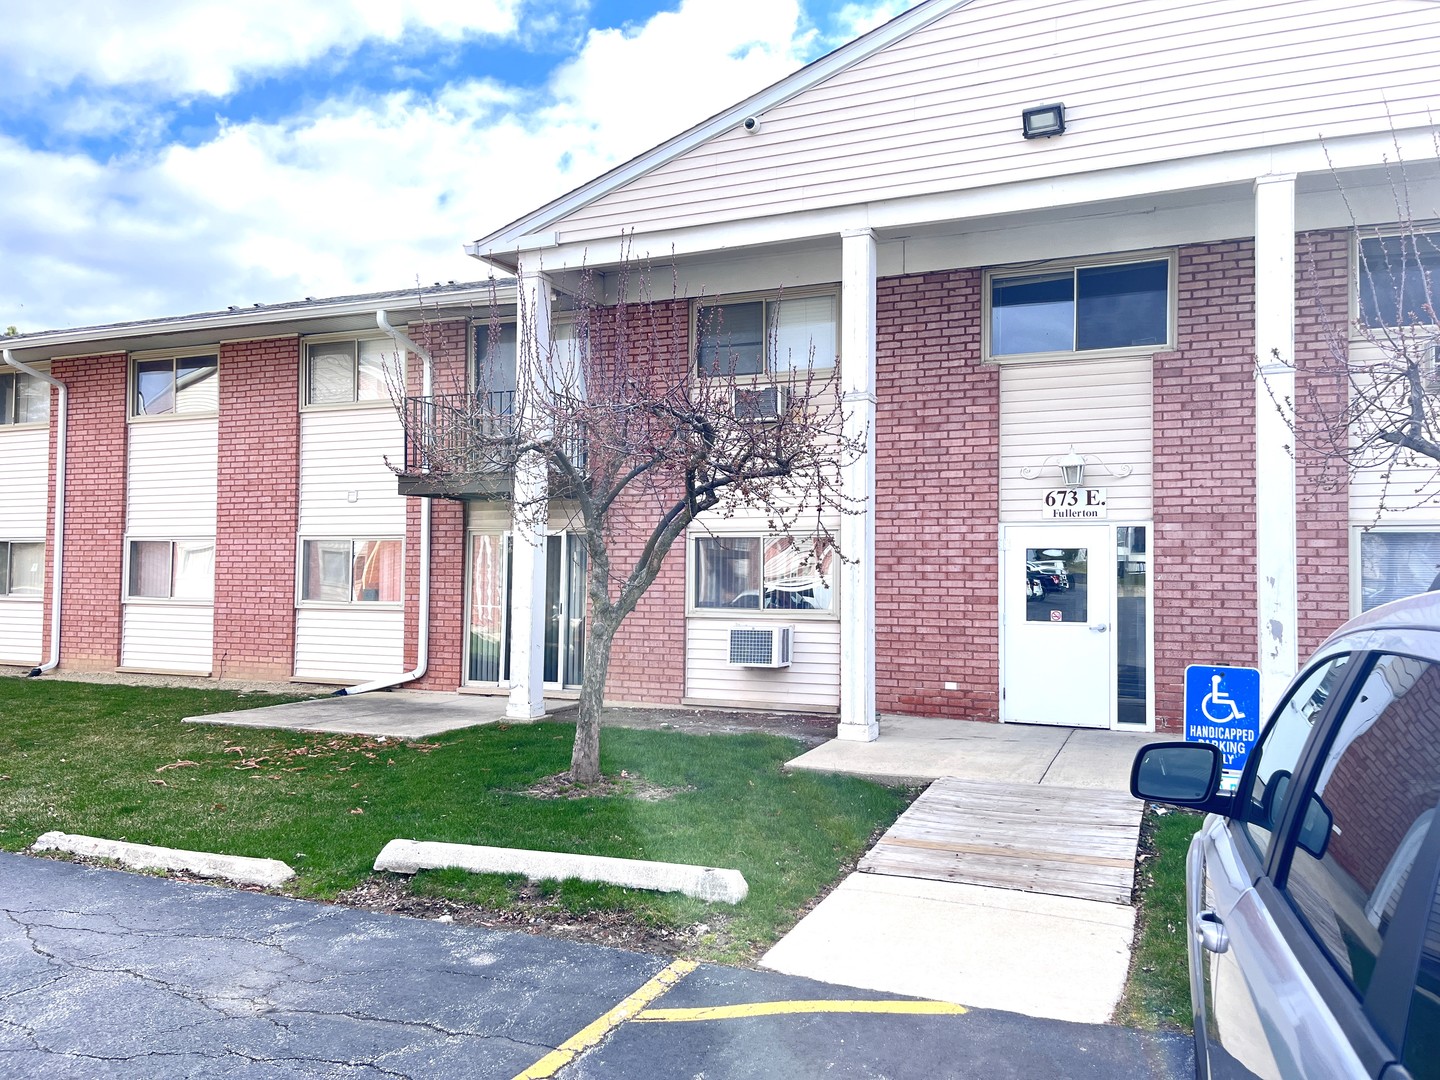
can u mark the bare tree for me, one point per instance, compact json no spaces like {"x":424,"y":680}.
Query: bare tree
{"x":1371,"y":403}
{"x":641,"y":444}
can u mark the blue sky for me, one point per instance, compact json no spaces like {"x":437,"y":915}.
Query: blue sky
{"x":161,"y":157}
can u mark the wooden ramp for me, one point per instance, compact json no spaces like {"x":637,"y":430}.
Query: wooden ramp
{"x":1062,"y":841}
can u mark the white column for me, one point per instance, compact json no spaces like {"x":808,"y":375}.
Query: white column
{"x":857,"y":530}
{"x":529,"y":507}
{"x":1274,"y":433}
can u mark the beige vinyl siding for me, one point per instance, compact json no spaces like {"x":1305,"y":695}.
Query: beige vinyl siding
{"x":346,"y":489}
{"x":353,"y":643}
{"x":812,"y":681}
{"x":1104,"y":408}
{"x":168,"y":636}
{"x":25,"y":491}
{"x":21,"y":624}
{"x":1146,"y":81}
{"x":170,"y":489}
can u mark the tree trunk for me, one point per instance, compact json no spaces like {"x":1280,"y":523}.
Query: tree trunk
{"x":585,"y":758}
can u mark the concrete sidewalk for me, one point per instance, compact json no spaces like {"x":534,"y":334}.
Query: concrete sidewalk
{"x":1026,"y":952}
{"x":400,"y":714}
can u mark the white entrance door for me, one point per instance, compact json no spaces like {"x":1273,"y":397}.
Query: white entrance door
{"x":1057,"y":603}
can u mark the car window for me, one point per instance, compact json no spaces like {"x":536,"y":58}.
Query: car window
{"x":1422,"y":1033}
{"x":1373,"y":801}
{"x":1274,"y":758}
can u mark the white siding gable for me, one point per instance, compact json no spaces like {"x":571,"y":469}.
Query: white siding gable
{"x":1144,"y":81}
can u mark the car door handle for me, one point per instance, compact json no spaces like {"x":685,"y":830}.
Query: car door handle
{"x":1211,"y":932}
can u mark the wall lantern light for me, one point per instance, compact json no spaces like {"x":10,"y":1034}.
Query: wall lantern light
{"x":1043,"y":121}
{"x":1072,"y":468}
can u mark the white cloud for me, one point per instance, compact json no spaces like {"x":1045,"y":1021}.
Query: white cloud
{"x":187,"y":47}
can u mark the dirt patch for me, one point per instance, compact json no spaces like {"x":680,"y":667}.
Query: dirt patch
{"x":627,"y":785}
{"x":810,"y":728}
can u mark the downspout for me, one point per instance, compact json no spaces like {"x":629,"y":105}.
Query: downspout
{"x":63,"y":406}
{"x":422,"y":647}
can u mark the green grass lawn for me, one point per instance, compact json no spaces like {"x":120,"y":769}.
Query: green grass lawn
{"x":117,"y":762}
{"x":1158,"y":992}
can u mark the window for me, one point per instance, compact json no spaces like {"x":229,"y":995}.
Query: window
{"x":1082,"y":309}
{"x":22,"y":568}
{"x":765,"y":337}
{"x":787,"y":573}
{"x":347,"y":372}
{"x":1397,"y":563}
{"x":176,"y":385}
{"x":352,"y":571}
{"x":496,"y":353}
{"x":1422,"y":1033}
{"x":24,"y":399}
{"x":1397,"y":276}
{"x":1273,"y":760}
{"x":1364,"y":824}
{"x":172,"y":570}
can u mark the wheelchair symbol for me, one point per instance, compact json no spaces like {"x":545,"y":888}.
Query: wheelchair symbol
{"x":1221,"y":700}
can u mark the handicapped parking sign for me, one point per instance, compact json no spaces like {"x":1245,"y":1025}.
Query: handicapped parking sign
{"x":1222,"y":706}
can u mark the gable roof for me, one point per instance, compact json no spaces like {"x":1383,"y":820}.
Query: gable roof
{"x":508,"y":238}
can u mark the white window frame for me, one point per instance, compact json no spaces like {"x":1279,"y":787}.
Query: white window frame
{"x":1357,"y":567}
{"x":132,"y":383}
{"x":8,"y":566}
{"x":190,"y":601}
{"x":1073,"y":266}
{"x":1381,"y":232}
{"x":7,"y":421}
{"x":383,"y":402}
{"x":768,"y":373}
{"x":380,"y":605}
{"x":747,"y":614}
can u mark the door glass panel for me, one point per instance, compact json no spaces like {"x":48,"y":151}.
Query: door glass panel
{"x":1057,"y":585}
{"x":1373,"y":802}
{"x":553,"y":567}
{"x":1131,"y":591}
{"x":575,"y":631}
{"x":1422,"y":1033}
{"x":487,"y":607}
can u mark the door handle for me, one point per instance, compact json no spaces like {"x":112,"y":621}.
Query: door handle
{"x":1098,"y":628}
{"x":1211,"y":932}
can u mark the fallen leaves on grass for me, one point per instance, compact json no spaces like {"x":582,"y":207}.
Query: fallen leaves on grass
{"x":357,"y":810}
{"x":179,"y":765}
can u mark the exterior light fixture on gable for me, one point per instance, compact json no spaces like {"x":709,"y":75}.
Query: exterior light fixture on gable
{"x":1043,"y":121}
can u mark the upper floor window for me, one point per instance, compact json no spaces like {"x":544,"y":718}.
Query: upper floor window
{"x":176,"y":385}
{"x":1081,"y":309}
{"x":24,"y":399}
{"x":766,"y":337}
{"x":1397,"y":276}
{"x":22,"y":568}
{"x":496,"y":353}
{"x":350,"y":371}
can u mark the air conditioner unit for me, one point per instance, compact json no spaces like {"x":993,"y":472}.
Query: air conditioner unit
{"x":760,"y":646}
{"x":760,"y":402}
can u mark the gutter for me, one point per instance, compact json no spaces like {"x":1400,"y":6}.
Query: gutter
{"x":422,"y":650}
{"x":63,"y":407}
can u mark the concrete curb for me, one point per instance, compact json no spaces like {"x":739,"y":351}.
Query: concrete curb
{"x":701,"y":882}
{"x":236,"y":868}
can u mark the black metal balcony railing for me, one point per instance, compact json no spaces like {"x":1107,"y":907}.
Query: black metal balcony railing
{"x":458,"y":434}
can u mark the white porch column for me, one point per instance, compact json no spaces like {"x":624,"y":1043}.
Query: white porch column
{"x":529,"y":506}
{"x":857,"y":530}
{"x":1274,"y":433}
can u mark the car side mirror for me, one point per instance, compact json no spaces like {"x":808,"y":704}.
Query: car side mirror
{"x":1315,"y":830}
{"x":1181,"y":774}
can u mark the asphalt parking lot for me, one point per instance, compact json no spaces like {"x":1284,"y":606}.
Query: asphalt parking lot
{"x":109,"y":974}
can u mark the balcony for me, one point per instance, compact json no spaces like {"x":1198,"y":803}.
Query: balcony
{"x":456,"y":445}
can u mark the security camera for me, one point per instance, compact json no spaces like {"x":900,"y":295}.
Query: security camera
{"x":751,"y":124}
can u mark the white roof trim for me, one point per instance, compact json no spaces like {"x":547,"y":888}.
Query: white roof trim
{"x":530,"y":231}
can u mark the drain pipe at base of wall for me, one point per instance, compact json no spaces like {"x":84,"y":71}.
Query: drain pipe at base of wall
{"x":63,"y":406}
{"x":422,"y":648}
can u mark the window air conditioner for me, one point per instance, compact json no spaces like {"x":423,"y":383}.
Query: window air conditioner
{"x":760,"y":646}
{"x":760,"y":402}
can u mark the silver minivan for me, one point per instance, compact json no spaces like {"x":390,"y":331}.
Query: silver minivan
{"x":1313,"y":890}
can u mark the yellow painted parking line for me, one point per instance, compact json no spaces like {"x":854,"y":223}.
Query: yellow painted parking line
{"x":783,"y":1008}
{"x":593,"y":1034}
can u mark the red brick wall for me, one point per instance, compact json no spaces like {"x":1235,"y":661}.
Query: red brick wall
{"x":448,"y":345}
{"x":95,"y":468}
{"x":257,"y":508}
{"x":937,"y":500}
{"x":1322,"y":489}
{"x":648,"y":659}
{"x":1203,"y":557}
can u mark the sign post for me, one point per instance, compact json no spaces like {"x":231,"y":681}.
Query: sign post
{"x":1222,"y":707}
